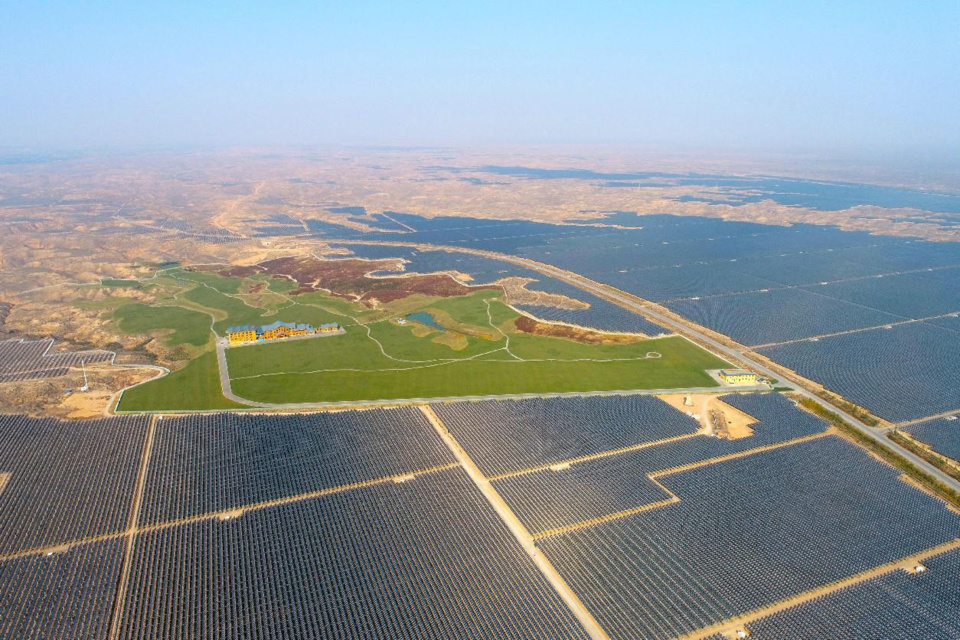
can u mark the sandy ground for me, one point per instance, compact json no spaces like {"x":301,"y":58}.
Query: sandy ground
{"x":526,"y":324}
{"x":47,"y":397}
{"x":736,"y":423}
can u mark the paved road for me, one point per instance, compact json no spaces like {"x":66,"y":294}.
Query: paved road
{"x":225,"y":378}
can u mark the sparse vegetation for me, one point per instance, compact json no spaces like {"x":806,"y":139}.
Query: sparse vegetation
{"x":930,"y":456}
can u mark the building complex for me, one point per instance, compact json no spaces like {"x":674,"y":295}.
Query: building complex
{"x":278,"y":330}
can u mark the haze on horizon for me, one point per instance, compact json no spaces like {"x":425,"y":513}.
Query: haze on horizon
{"x":842,"y":76}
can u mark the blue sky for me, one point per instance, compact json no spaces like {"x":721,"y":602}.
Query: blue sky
{"x":834,"y":75}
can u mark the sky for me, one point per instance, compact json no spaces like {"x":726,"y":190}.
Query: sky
{"x":765,"y":75}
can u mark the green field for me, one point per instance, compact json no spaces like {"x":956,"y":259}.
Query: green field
{"x":196,"y":386}
{"x":183,"y":326}
{"x":353,"y":366}
{"x":465,"y":346}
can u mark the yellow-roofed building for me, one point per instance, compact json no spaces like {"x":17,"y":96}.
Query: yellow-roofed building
{"x":739,"y":376}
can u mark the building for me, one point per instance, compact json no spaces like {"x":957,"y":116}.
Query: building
{"x":738,"y":376}
{"x":278,"y":330}
{"x":243,"y":333}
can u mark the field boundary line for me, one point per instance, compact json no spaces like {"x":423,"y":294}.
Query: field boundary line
{"x":611,"y":516}
{"x":131,"y":532}
{"x":872,"y":327}
{"x":829,"y":431}
{"x":62,"y":546}
{"x":233,"y":511}
{"x":593,"y":456}
{"x":520,"y":533}
{"x":916,"y":421}
{"x":731,"y":625}
{"x":674,"y":498}
{"x":319,"y":493}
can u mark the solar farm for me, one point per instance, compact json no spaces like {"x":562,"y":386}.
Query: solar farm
{"x":487,"y":469}
{"x":577,"y":517}
{"x":832,"y":293}
{"x":29,"y":359}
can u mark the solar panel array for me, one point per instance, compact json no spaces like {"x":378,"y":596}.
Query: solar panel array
{"x":899,"y":604}
{"x":903,"y":373}
{"x":30,"y":359}
{"x":68,"y":480}
{"x":65,"y":596}
{"x":428,"y":558}
{"x":943,"y":435}
{"x":760,"y":284}
{"x":549,"y":499}
{"x":910,"y":295}
{"x":747,"y":532}
{"x":507,"y":436}
{"x":778,"y":315}
{"x":207,"y":463}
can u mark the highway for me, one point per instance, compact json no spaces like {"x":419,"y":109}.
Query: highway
{"x":685,"y":330}
{"x":621,"y":299}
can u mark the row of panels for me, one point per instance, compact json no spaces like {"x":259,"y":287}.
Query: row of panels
{"x":428,"y":558}
{"x":74,"y":480}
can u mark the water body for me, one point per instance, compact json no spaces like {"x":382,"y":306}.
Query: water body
{"x":426,"y":319}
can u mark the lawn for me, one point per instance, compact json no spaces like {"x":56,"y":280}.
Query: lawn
{"x":682,"y":365}
{"x":196,"y":386}
{"x":184,"y":326}
{"x":384,"y":359}
{"x":414,"y":364}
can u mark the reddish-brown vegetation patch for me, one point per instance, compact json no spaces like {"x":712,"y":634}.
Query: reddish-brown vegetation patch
{"x":241,"y":272}
{"x":348,"y":279}
{"x":577,"y":334}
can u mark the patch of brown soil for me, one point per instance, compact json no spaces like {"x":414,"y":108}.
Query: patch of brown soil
{"x":456,"y":341}
{"x":348,"y":279}
{"x":715,"y":416}
{"x":527,"y":324}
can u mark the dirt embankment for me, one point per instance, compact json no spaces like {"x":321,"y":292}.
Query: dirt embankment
{"x":577,"y":334}
{"x":348,"y":279}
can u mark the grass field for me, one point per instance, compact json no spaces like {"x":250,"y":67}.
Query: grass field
{"x":395,"y":361}
{"x":472,"y":349}
{"x":682,"y":365}
{"x":184,"y":326}
{"x":196,"y":386}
